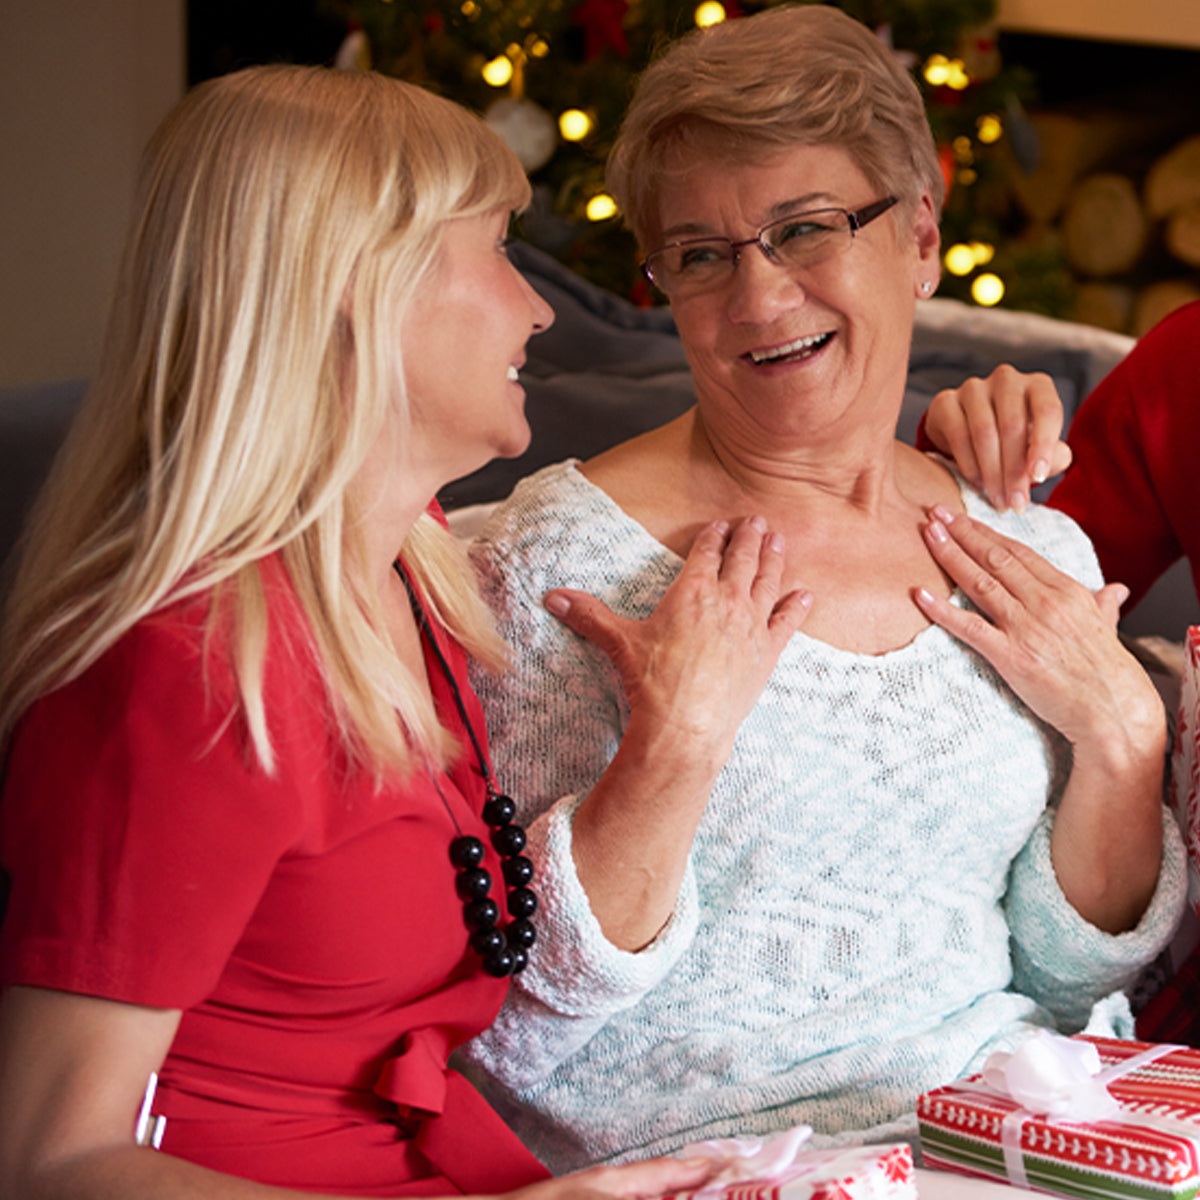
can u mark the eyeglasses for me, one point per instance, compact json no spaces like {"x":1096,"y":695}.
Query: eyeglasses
{"x":802,"y":240}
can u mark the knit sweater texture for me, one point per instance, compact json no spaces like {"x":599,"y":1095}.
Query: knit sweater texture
{"x":869,"y":907}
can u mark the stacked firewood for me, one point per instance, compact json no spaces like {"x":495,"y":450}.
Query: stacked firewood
{"x":1129,"y":225}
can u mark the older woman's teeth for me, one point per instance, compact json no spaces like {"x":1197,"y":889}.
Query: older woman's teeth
{"x":797,"y":349}
{"x":512,"y":375}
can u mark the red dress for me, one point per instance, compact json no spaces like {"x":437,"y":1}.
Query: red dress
{"x":1135,"y":481}
{"x":307,"y":924}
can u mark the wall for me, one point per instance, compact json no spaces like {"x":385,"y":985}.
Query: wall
{"x":83,"y":83}
{"x":1162,"y":22}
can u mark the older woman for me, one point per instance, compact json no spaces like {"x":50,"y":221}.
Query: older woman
{"x":941,"y":825}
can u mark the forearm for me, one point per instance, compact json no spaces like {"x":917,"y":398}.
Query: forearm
{"x":1107,"y":841}
{"x":134,"y":1173}
{"x":1062,"y":960}
{"x":576,"y":979}
{"x":633,"y":833}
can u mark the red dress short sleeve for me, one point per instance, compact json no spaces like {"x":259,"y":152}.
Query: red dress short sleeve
{"x":306,"y":922}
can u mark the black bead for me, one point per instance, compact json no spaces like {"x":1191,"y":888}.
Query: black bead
{"x":499,"y":810}
{"x":487,"y":941}
{"x":518,"y":871}
{"x":466,"y":852}
{"x":500,"y":963}
{"x":474,"y":884}
{"x":521,"y":934}
{"x":482,"y":914}
{"x":509,"y":839}
{"x":522,"y":902}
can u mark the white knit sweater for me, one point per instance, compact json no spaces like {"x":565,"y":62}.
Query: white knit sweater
{"x":869,"y":907}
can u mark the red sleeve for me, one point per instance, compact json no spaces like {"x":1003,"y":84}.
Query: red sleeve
{"x":922,"y":441}
{"x":137,"y":830}
{"x":1136,"y":441}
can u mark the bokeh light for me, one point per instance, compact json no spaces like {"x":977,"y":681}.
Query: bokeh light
{"x":498,"y":72}
{"x":574,"y":124}
{"x":959,"y":259}
{"x":987,"y":290}
{"x":600,"y":207}
{"x":989,"y":128}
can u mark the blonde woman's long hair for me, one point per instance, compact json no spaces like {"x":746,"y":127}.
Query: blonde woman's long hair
{"x":285,"y":217}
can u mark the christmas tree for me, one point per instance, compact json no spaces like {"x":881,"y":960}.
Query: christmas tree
{"x":554,"y":76}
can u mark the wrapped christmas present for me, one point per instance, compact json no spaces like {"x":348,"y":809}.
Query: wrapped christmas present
{"x":780,"y":1168}
{"x":1185,"y":762}
{"x":1082,"y":1116}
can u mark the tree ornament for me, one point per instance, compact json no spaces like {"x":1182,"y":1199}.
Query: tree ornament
{"x":528,"y":130}
{"x":603,"y":23}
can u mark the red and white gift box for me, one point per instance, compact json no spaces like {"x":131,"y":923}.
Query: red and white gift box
{"x":1149,"y":1149}
{"x":881,"y":1172}
{"x":1185,"y":762}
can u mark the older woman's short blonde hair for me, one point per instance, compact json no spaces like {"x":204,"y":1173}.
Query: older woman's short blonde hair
{"x":284,"y":219}
{"x":751,"y":87}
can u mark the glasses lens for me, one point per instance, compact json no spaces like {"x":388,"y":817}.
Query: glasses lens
{"x":690,"y":265}
{"x":809,"y":238}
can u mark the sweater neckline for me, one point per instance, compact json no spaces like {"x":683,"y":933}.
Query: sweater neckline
{"x":932,"y":640}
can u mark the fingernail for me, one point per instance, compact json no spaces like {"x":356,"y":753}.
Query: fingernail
{"x":924,"y":595}
{"x":1017,"y":501}
{"x":936,"y":531}
{"x":943,"y":514}
{"x":722,"y":527}
{"x":758,"y":523}
{"x":1040,"y":471}
{"x":806,"y":600}
{"x":775,"y":542}
{"x":557,"y":604}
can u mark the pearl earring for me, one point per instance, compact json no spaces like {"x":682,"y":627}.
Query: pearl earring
{"x":926,"y":288}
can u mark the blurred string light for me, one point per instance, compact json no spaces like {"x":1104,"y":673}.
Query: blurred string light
{"x":499,"y":71}
{"x":959,"y":260}
{"x":509,"y":67}
{"x":709,"y":13}
{"x":601,"y":207}
{"x":989,"y":128}
{"x":988,"y":289}
{"x":941,"y":71}
{"x":574,"y":124}
{"x":964,"y":257}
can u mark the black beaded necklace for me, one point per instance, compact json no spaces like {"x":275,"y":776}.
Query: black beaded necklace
{"x":504,"y":951}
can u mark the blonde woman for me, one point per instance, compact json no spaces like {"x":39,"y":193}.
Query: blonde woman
{"x":256,"y":850}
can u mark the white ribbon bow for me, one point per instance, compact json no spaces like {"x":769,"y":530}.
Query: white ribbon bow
{"x":1053,"y":1076}
{"x":746,"y":1159}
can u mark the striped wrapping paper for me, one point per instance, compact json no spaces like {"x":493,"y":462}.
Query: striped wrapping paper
{"x":882,"y":1172}
{"x":1185,"y":762}
{"x":1150,"y":1152}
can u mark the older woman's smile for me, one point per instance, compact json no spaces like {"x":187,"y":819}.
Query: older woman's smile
{"x":793,"y":351}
